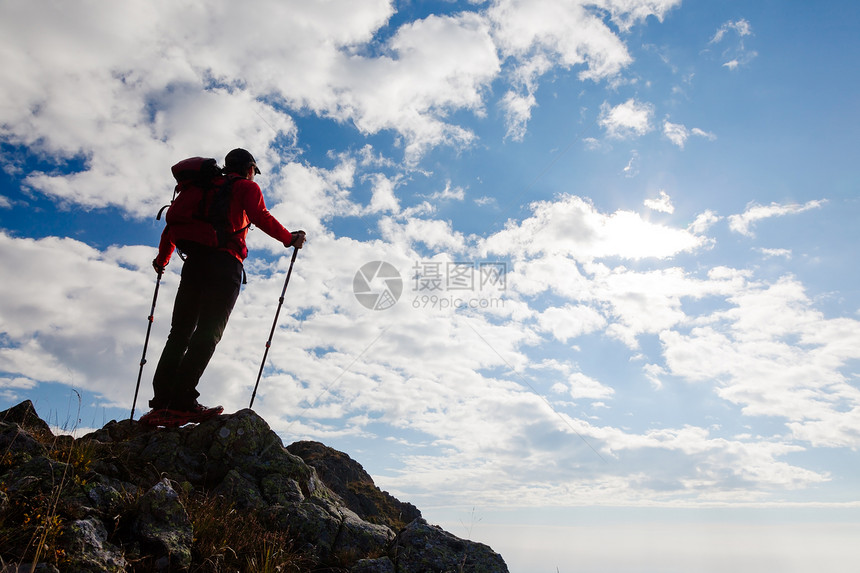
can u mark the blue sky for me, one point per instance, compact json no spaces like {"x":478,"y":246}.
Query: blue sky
{"x":621,"y":332}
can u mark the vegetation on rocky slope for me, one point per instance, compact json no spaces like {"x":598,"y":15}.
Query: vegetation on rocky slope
{"x":224,"y":495}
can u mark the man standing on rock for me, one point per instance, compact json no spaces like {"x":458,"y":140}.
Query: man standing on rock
{"x":213,"y":245}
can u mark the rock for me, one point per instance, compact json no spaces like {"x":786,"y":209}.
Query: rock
{"x":425,"y":548}
{"x":355,"y":487}
{"x":24,"y":415}
{"x":127,"y":497}
{"x":280,"y":489}
{"x":86,"y":545}
{"x":37,"y":477}
{"x":108,"y":496}
{"x":380,"y":565}
{"x":164,"y":528}
{"x":14,"y":440}
{"x":114,"y":431}
{"x":315,"y":529}
{"x":241,"y":491}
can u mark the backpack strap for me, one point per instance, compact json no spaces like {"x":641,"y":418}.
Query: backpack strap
{"x":223,"y":194}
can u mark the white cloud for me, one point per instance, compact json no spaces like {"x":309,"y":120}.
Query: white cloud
{"x":77,"y":331}
{"x":304,"y":196}
{"x":518,"y":109}
{"x":625,"y":13}
{"x":655,"y":373}
{"x":537,"y":35}
{"x":582,"y":386}
{"x":703,"y":222}
{"x":437,"y":64}
{"x":16,"y":389}
{"x":624,"y":304}
{"x":628,"y":120}
{"x":592,"y":144}
{"x":384,"y":199}
{"x":740,"y":27}
{"x":160,"y":77}
{"x":18,"y":382}
{"x":632,"y":167}
{"x":554,"y":32}
{"x":702,"y":133}
{"x":662,"y":204}
{"x":776,"y":357}
{"x":457,"y":380}
{"x":649,"y":302}
{"x":435,"y":233}
{"x":744,"y":222}
{"x":450,"y":192}
{"x":570,"y":321}
{"x":572,"y":226}
{"x":718,"y":458}
{"x":574,"y":384}
{"x":769,"y":253}
{"x":678,"y":133}
{"x":736,"y":54}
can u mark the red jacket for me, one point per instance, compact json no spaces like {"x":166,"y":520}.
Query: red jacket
{"x":247,"y":206}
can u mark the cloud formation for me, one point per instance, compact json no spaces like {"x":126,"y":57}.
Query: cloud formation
{"x":662,"y":204}
{"x":678,"y":133}
{"x":736,"y":54}
{"x":607,"y":322}
{"x":744,"y":222}
{"x":627,"y":120}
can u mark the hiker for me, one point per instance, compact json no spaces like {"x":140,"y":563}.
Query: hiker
{"x":210,"y":283}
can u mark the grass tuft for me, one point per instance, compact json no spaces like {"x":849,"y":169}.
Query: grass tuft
{"x":226,"y":539}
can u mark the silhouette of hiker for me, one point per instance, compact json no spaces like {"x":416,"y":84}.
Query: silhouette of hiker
{"x":210,"y":284}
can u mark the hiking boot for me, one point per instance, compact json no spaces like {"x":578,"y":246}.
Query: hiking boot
{"x":198,"y":410}
{"x":173,"y":418}
{"x":165,"y":418}
{"x":195,"y":408}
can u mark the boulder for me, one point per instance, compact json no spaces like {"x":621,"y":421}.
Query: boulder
{"x":128,"y":497}
{"x":425,"y":548}
{"x":85,"y":543}
{"x":347,"y":478}
{"x":164,"y":529}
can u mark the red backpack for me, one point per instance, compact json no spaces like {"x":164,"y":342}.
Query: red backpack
{"x":200,"y":211}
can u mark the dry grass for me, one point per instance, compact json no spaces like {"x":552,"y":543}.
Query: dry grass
{"x":229,"y":540}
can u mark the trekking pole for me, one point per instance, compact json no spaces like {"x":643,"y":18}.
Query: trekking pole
{"x":274,"y":324}
{"x":145,"y":344}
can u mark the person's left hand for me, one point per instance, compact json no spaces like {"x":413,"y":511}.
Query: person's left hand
{"x":298,"y":239}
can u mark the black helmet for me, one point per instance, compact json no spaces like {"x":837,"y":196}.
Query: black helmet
{"x":239,"y":160}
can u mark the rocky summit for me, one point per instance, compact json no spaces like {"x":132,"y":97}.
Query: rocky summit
{"x":223,"y":495}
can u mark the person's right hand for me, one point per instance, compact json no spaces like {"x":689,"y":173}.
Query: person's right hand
{"x":298,"y":239}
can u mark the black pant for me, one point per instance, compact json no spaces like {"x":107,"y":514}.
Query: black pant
{"x":207,"y":292}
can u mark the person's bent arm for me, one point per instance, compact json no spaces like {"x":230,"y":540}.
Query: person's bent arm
{"x":259,"y":215}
